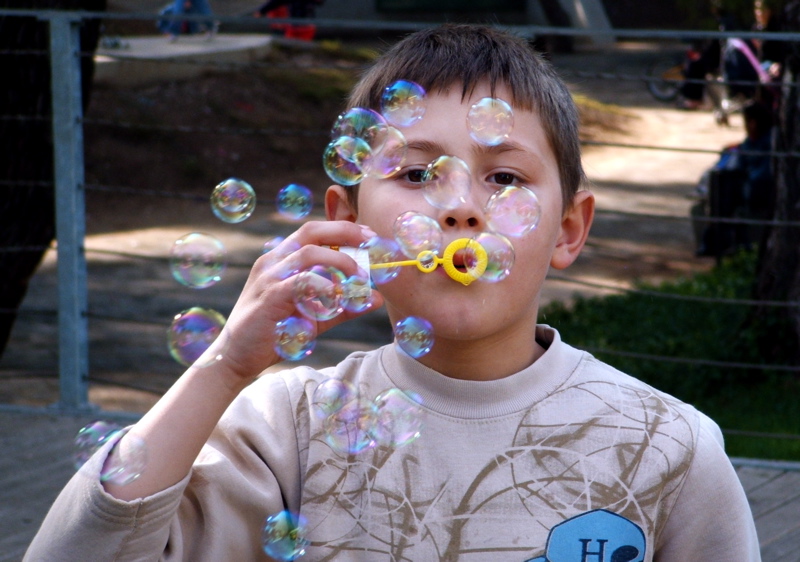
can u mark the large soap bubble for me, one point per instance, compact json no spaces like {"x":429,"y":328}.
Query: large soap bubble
{"x":294,"y":201}
{"x":348,"y":430}
{"x":414,"y":335}
{"x":192,"y":332}
{"x":399,"y":419}
{"x":513,"y":211}
{"x":388,"y":159}
{"x":343,"y":159}
{"x":382,"y":251}
{"x":365,"y":124}
{"x":284,"y":536}
{"x":490,"y":121}
{"x":197,"y":260}
{"x":499,"y":256}
{"x":318,"y":292}
{"x":446,"y":182}
{"x":403,"y":103}
{"x":233,"y":200}
{"x":294,"y":338}
{"x":416,"y":232}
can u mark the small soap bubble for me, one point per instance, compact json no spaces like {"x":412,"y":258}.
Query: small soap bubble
{"x":126,"y":462}
{"x":192,"y":332}
{"x":399,"y":419}
{"x":318,"y":292}
{"x":513,"y":211}
{"x":90,"y":438}
{"x":416,"y":233}
{"x":490,"y":121}
{"x":365,"y":124}
{"x":403,"y":103}
{"x":446,"y":182}
{"x":330,"y":396}
{"x":294,"y":338}
{"x":197,"y":260}
{"x":342,"y":170}
{"x":294,"y":201}
{"x":356,"y":294}
{"x":499,"y":254}
{"x":272,"y":243}
{"x":382,"y":250}
{"x":389,"y":158}
{"x":233,"y":200}
{"x":348,"y":430}
{"x":414,"y":335}
{"x":284,"y":536}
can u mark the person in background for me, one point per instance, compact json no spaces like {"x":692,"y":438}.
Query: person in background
{"x":174,"y":28}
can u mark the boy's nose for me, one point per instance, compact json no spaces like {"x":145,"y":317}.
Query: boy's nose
{"x":468,"y":214}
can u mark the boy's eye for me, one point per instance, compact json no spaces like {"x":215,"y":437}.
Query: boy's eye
{"x":414,"y":176}
{"x":503,"y":178}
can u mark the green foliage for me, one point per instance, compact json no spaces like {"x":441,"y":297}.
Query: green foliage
{"x":646,"y":323}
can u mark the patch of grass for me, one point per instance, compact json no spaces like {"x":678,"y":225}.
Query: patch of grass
{"x":739,"y":399}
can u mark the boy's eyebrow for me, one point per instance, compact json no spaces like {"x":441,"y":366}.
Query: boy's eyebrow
{"x":506,"y":146}
{"x":426,"y":147}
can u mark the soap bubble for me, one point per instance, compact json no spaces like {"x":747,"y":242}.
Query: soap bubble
{"x":330,"y":396}
{"x":389,"y":158}
{"x":415,"y":233}
{"x":365,"y":124}
{"x":126,"y":462}
{"x":272,"y":243}
{"x":233,"y":200}
{"x":446,"y":182}
{"x":338,"y":160}
{"x":490,"y":121}
{"x":499,"y":254}
{"x":294,"y":201}
{"x":356,"y":294}
{"x":284,"y":536}
{"x":513,"y":211}
{"x":318,"y":291}
{"x":192,"y":332}
{"x":90,"y":438}
{"x":294,"y":338}
{"x":414,"y":336}
{"x":347,"y":431}
{"x":399,"y":419}
{"x":197,"y":260}
{"x":382,"y":250}
{"x":403,"y":103}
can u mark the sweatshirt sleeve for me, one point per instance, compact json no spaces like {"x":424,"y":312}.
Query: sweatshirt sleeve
{"x":711,"y":519}
{"x":248,"y":470}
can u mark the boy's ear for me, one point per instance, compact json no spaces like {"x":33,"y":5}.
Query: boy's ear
{"x":337,"y":205}
{"x":575,"y":226}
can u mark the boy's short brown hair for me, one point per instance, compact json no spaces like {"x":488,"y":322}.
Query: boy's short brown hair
{"x":466,"y":55}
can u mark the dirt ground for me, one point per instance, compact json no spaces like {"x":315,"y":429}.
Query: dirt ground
{"x":147,"y":186}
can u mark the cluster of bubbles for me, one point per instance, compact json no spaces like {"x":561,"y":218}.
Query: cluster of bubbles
{"x":123,"y":465}
{"x":198,"y":260}
{"x":353,"y":424}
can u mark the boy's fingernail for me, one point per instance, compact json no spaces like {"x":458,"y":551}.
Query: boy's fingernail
{"x":367,"y":231}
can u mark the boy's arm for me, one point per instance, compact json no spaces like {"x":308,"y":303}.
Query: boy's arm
{"x":711,"y":519}
{"x":175,"y":429}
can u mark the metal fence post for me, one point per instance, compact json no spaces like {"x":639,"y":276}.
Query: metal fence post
{"x":70,"y":211}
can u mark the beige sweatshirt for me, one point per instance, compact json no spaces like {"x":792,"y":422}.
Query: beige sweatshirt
{"x":567,"y":460}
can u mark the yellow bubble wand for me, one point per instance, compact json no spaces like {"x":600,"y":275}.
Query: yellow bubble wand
{"x":427,"y":261}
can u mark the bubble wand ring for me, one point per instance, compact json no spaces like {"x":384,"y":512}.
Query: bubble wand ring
{"x":427,"y":261}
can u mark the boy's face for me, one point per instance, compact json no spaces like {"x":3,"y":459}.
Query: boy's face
{"x":480,"y":311}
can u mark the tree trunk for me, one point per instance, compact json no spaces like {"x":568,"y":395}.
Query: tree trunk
{"x":27,"y":213}
{"x":779,"y":262}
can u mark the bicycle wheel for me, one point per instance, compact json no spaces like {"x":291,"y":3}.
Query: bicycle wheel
{"x":664,"y":77}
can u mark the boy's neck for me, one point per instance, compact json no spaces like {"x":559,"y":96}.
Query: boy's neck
{"x":483,"y":361}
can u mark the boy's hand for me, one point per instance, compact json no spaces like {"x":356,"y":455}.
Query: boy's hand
{"x":267,"y":297}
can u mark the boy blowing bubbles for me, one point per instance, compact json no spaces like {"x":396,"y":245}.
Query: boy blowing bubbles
{"x":531,"y":449}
